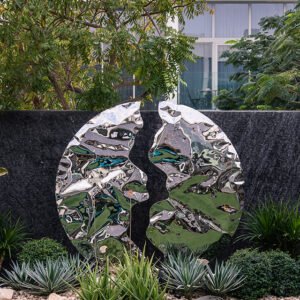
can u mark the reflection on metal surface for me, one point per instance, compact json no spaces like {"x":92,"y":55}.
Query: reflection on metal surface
{"x":203,"y":178}
{"x":96,"y":183}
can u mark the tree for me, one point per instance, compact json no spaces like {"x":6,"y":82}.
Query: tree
{"x":77,"y":54}
{"x":271,"y":75}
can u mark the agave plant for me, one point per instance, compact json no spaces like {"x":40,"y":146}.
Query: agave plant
{"x":16,"y":277}
{"x":43,"y":278}
{"x":12,"y":235}
{"x":183,"y":272}
{"x":224,"y":279}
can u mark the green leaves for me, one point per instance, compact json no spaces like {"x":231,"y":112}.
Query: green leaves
{"x":273,"y":225}
{"x":12,"y":235}
{"x":270,"y":63}
{"x":133,"y":278}
{"x":186,"y":273}
{"x":183,"y":272}
{"x":96,"y":284}
{"x":72,"y":54}
{"x":43,"y":278}
{"x":267,"y":273}
{"x":224,"y":279}
{"x":41,"y":250}
{"x":138,"y":279}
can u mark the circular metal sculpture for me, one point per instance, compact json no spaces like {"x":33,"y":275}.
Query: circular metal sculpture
{"x":97,"y":184}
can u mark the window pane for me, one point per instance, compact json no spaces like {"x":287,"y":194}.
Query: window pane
{"x":290,"y":6}
{"x":225,"y":71}
{"x":126,"y":91}
{"x":199,"y":26}
{"x":264,"y":10}
{"x":198,"y":92}
{"x":231,"y":20}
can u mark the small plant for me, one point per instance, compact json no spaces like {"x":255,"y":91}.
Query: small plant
{"x":224,"y":279}
{"x":183,"y":272}
{"x":41,"y":250}
{"x":16,"y":277}
{"x":98,"y":285}
{"x":43,"y":278}
{"x":285,"y":274}
{"x":138,"y":280}
{"x":273,"y":225}
{"x":256,"y":267}
{"x":268,"y":273}
{"x":12,"y":235}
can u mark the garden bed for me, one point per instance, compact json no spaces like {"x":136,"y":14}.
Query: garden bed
{"x":72,"y":296}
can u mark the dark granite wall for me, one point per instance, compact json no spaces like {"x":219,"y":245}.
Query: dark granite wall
{"x":31,"y":145}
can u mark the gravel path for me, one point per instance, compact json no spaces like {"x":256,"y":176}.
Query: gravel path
{"x":25,"y":296}
{"x":73,"y":296}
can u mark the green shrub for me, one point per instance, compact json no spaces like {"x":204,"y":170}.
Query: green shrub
{"x":224,"y":279}
{"x":285,"y":274}
{"x":137,"y":279}
{"x":12,"y":235}
{"x":41,"y":250}
{"x":273,"y":225}
{"x":183,"y":272}
{"x":43,"y":277}
{"x":269,"y":272}
{"x":98,"y":285}
{"x":256,"y":267}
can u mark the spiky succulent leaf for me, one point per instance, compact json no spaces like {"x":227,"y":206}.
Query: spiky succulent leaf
{"x":183,"y":271}
{"x":43,"y":278}
{"x":224,"y":279}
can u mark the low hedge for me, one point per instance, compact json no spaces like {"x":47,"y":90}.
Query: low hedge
{"x":41,"y":250}
{"x":268,"y":273}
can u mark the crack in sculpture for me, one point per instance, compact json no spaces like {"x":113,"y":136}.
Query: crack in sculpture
{"x":156,"y":186}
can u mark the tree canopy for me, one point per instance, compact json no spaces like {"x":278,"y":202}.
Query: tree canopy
{"x":78,"y":54}
{"x":270,"y":61}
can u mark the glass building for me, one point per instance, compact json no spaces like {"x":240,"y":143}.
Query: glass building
{"x":231,"y":20}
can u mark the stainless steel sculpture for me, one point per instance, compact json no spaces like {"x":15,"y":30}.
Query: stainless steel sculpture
{"x":97,"y":184}
{"x":203,"y":179}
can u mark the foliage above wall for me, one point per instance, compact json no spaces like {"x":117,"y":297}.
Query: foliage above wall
{"x":3,"y":171}
{"x":270,"y":63}
{"x":76,"y":54}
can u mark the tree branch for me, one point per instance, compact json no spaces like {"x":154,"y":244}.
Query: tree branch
{"x":153,"y":22}
{"x":59,"y":92}
{"x":74,"y":89}
{"x":86,"y":23}
{"x":162,"y":11}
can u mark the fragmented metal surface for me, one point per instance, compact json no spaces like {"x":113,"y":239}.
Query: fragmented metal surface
{"x":203,"y":179}
{"x":96,"y":183}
